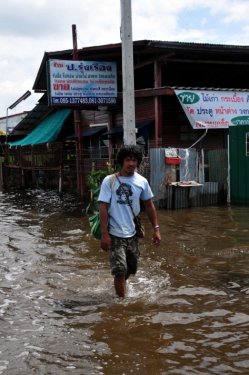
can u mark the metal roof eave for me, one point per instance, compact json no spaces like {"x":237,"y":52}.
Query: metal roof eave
{"x":98,"y":52}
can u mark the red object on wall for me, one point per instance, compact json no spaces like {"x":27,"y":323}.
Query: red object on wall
{"x":172,"y":160}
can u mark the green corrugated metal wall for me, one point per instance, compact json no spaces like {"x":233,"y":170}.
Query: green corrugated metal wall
{"x":239,"y":165}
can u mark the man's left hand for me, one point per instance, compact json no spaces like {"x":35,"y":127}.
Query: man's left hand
{"x":156,"y":239}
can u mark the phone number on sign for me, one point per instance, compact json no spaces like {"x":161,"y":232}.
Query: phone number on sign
{"x":84,"y":101}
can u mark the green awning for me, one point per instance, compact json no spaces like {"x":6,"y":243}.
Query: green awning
{"x":47,"y":131}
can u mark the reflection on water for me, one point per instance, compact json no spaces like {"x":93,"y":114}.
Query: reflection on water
{"x":186,"y":311}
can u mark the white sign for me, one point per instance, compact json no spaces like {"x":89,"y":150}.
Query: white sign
{"x":77,"y":83}
{"x":171,"y":153}
{"x":215,"y":109}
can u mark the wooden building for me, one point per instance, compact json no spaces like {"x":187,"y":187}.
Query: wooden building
{"x":160,"y":67}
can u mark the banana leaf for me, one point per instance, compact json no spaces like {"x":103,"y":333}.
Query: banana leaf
{"x":94,"y":222}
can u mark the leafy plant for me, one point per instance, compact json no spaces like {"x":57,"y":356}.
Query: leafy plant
{"x":94,"y":181}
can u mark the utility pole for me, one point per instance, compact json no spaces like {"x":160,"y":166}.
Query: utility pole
{"x":127,"y":74}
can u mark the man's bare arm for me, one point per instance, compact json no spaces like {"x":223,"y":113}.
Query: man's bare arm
{"x":105,"y":237}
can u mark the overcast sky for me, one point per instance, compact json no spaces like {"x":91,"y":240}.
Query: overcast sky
{"x":28,"y":28}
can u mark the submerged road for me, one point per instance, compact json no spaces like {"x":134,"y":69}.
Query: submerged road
{"x":186,"y":311}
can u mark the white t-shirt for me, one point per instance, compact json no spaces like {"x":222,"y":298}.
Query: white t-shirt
{"x":121,"y":222}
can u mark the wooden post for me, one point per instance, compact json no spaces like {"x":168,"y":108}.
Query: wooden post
{"x":158,"y":105}
{"x":23,"y":178}
{"x":77,"y":129}
{"x":60,"y":180}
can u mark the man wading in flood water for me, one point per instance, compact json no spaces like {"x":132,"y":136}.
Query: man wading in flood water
{"x":118,"y":234}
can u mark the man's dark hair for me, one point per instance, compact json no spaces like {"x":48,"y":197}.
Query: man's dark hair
{"x":129,"y":151}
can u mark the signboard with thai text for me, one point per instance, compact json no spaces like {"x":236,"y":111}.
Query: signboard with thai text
{"x":77,"y":83}
{"x":214,"y":109}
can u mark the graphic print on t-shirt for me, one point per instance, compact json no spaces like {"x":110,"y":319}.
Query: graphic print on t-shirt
{"x":122,"y":193}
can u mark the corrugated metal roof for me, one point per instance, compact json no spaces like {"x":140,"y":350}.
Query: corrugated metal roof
{"x":172,"y":88}
{"x":208,"y":88}
{"x":206,"y":46}
{"x":89,"y":132}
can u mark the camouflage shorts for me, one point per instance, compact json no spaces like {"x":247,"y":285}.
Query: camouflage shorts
{"x":124,"y":254}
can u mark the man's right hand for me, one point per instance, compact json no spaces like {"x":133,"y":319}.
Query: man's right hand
{"x":105,"y":242}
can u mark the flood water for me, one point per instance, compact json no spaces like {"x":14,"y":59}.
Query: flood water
{"x":186,"y":310}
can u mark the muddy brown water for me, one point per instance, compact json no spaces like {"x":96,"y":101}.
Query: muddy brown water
{"x":186,"y":310}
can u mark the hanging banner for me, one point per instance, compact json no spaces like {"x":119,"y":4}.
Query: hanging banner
{"x":214,"y":109}
{"x":75,"y":83}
